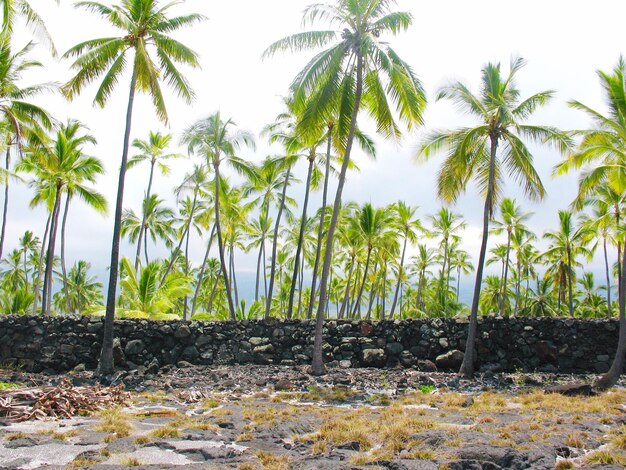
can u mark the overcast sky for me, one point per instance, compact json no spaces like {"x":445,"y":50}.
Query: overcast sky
{"x":564,"y":42}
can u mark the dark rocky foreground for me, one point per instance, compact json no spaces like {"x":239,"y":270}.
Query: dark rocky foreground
{"x":503,"y":345}
{"x":272,"y":417}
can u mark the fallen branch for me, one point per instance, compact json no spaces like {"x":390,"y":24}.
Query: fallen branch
{"x":62,"y":401}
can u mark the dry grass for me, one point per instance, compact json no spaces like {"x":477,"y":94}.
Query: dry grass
{"x":168,"y":430}
{"x":59,"y":436}
{"x":271,"y":461}
{"x":115,"y":422}
{"x":131,"y":462}
{"x":605,"y":457}
{"x":14,"y":436}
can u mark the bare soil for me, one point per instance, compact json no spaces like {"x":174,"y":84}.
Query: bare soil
{"x":267,"y":417}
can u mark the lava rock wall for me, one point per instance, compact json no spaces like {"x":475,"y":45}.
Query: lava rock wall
{"x":58,"y":344}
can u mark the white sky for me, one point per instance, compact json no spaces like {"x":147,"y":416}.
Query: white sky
{"x":564,"y":42}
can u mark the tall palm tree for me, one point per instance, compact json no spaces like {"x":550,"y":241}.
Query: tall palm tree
{"x":419,"y":264}
{"x":20,"y":115}
{"x":512,"y":218}
{"x":408,"y":227}
{"x":218,"y":143}
{"x":146,"y":26}
{"x":83,"y":293}
{"x":154,"y":151}
{"x":487,"y":152}
{"x":343,"y":78}
{"x":60,"y":168}
{"x":446,"y":224}
{"x":156,"y":221}
{"x":601,"y":225}
{"x":14,"y":8}
{"x":602,"y":148}
{"x":371,"y":225}
{"x":568,"y":243}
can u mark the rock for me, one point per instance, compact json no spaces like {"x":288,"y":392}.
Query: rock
{"x":345,"y":364}
{"x":373,"y":357}
{"x":367,"y":329}
{"x":133,"y":347}
{"x":183,"y":331}
{"x":450,"y":360}
{"x":573,"y":389}
{"x":424,"y":365}
{"x":545,"y":351}
{"x":183,"y":365}
{"x":119,"y":359}
{"x":283,"y":385}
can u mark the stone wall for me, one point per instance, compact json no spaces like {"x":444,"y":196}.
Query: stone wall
{"x":550,"y":345}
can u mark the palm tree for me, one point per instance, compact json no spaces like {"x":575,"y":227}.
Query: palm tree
{"x":84,"y":292}
{"x":344,"y":77}
{"x":371,"y":225}
{"x":420,"y":263}
{"x":29,"y":245}
{"x":214,"y":140}
{"x":602,"y":148}
{"x":156,"y":221}
{"x":408,"y":227}
{"x":62,"y":168}
{"x":601,"y":225}
{"x":446,"y":225}
{"x":145,"y":26}
{"x":568,"y":243}
{"x":13,"y":8}
{"x":487,"y":152}
{"x":512,"y":219}
{"x":16,"y":111}
{"x":153,"y":151}
{"x":143,"y":296}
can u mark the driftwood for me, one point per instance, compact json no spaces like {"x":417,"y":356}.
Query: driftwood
{"x":62,"y":401}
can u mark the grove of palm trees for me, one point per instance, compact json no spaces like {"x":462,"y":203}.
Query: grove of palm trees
{"x":240,"y":234}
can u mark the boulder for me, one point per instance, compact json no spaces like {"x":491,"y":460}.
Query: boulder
{"x":450,"y":360}
{"x":373,"y":357}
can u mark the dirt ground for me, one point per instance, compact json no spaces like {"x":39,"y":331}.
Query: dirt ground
{"x":267,"y":417}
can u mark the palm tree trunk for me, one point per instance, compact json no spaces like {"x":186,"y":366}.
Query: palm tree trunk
{"x":357,"y":305}
{"x":296,"y":265}
{"x":184,"y":235}
{"x":300,"y":287}
{"x":268,"y":299}
{"x":318,"y":365}
{"x":346,"y":294}
{"x":142,"y":229}
{"x":145,"y":245}
{"x":608,"y":278}
{"x":569,"y":282}
{"x":47,"y":278}
{"x":458,"y":282}
{"x":518,"y":285}
{"x":383,"y":295}
{"x":420,"y":289}
{"x":258,"y":272}
{"x":213,"y":292}
{"x":233,"y":274}
{"x":201,"y":274}
{"x":395,"y":296}
{"x":612,"y":376}
{"x":105,"y":366}
{"x":506,"y":275}
{"x":40,"y":264}
{"x":66,"y":291}
{"x":467,"y":366}
{"x":5,"y":208}
{"x":320,"y":230}
{"x":220,"y":243}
